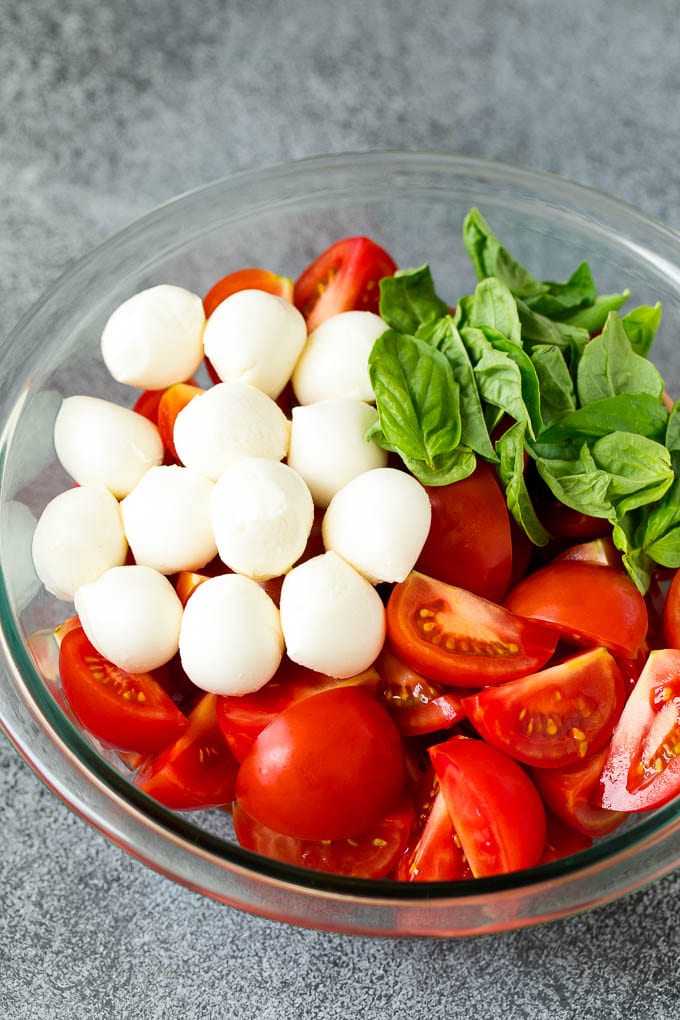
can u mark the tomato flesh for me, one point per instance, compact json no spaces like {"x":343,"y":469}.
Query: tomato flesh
{"x":434,"y":853}
{"x":554,"y":717}
{"x":493,"y":805}
{"x":671,"y":613}
{"x":455,"y":637}
{"x":328,"y":767}
{"x":561,"y":840}
{"x":469,"y":543}
{"x":586,"y":602}
{"x":127,"y":711}
{"x":571,"y":793}
{"x":247,"y":279}
{"x":642,"y":769}
{"x":416,"y":704}
{"x":345,"y":277}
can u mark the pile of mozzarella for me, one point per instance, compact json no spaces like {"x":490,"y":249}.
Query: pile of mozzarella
{"x":245,"y":490}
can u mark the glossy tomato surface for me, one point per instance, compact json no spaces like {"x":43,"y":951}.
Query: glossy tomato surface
{"x":247,"y":279}
{"x":172,"y":401}
{"x":434,"y":853}
{"x":328,"y":767}
{"x":572,"y":793}
{"x":343,"y":278}
{"x":469,"y":543}
{"x":416,"y":704}
{"x":457,"y":638}
{"x":556,"y":716}
{"x":671,"y":613}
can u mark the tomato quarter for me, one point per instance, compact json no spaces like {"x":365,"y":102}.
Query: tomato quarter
{"x":671,"y":613}
{"x":572,"y":793}
{"x":247,"y":279}
{"x":416,"y":704}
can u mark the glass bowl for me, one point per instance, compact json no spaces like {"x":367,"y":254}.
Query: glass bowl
{"x":281,"y":218}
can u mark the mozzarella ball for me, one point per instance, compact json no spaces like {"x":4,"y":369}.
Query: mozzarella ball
{"x":328,"y":445}
{"x":379,"y":523}
{"x":334,"y":362}
{"x":78,"y":537}
{"x":155,"y":338}
{"x":132,"y":616}
{"x":262,"y":513}
{"x":255,"y":337}
{"x":228,"y":422}
{"x":333,"y":621}
{"x":101,"y":443}
{"x":231,"y":641}
{"x":167,"y":520}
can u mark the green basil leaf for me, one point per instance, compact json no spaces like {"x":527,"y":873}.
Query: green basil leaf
{"x":560,"y":299}
{"x":639,"y":413}
{"x":641,"y":325}
{"x":528,"y":378}
{"x":673,"y":430}
{"x":660,"y":527}
{"x":445,"y":469}
{"x":593,"y":317}
{"x":640,"y":470}
{"x":636,"y":561}
{"x":510,"y":449}
{"x":578,"y":483}
{"x":610,"y":366}
{"x":408,"y":300}
{"x":490,"y":258}
{"x":493,"y":305}
{"x":538,"y":329}
{"x":498,"y":377}
{"x":556,"y":389}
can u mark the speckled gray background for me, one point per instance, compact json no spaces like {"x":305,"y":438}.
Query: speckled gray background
{"x":108,"y":109}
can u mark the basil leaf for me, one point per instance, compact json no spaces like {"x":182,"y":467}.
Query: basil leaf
{"x":510,"y":449}
{"x":554,"y":380}
{"x":641,"y":325}
{"x":417,"y":399}
{"x":578,"y":483}
{"x":639,"y":413}
{"x":528,"y":377}
{"x":660,"y":527}
{"x":639,"y":469}
{"x":560,"y":299}
{"x":493,"y":305}
{"x":445,"y":469}
{"x":490,"y":258}
{"x":636,"y":561}
{"x":445,"y":337}
{"x":408,"y":299}
{"x":463,"y":312}
{"x":673,"y":429}
{"x":594,"y":316}
{"x":610,"y":366}
{"x":497,"y":375}
{"x":538,"y":329}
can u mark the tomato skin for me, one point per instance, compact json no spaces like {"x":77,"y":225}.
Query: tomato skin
{"x":588,"y":603}
{"x":344,"y":277}
{"x":671,"y":613}
{"x":554,"y":717}
{"x":373,"y":854}
{"x":328,"y":767}
{"x":416,"y":704}
{"x":198,"y":770}
{"x":571,"y":793}
{"x":173,"y":400}
{"x":147,"y":403}
{"x":493,"y":805}
{"x":247,"y":279}
{"x":469,"y":543}
{"x":434,"y":853}
{"x":491,"y":645}
{"x":600,"y":551}
{"x":564,"y":522}
{"x":243,"y":718}
{"x":642,"y":769}
{"x":561,"y":840}
{"x":127,"y":711}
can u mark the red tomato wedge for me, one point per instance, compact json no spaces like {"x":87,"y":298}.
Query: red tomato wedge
{"x":147,"y":403}
{"x":554,"y":717}
{"x":373,"y":854}
{"x":671,"y":613}
{"x":344,"y":277}
{"x":561,"y":840}
{"x":457,"y":638}
{"x":173,"y":400}
{"x":247,"y":279}
{"x":642,"y":769}
{"x":600,"y":551}
{"x":127,"y":711}
{"x":493,"y":805}
{"x":564,"y":522}
{"x":469,"y":543}
{"x":572,"y":792}
{"x":328,"y":767}
{"x":198,"y":770}
{"x":416,"y":704}
{"x":587,"y":603}
{"x":242,"y":718}
{"x":434,"y":853}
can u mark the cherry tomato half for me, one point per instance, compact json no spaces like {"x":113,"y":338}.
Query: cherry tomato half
{"x":671,"y":613}
{"x":469,"y":543}
{"x":572,"y":792}
{"x":561,"y":840}
{"x":493,"y":805}
{"x":452,"y":636}
{"x":434,"y":853}
{"x":416,"y":704}
{"x":198,"y":770}
{"x":344,"y":277}
{"x":173,"y":400}
{"x":247,"y":279}
{"x":373,"y":854}
{"x":127,"y":711}
{"x":328,"y":767}
{"x":588,"y":603}
{"x":554,"y":717}
{"x":642,"y":769}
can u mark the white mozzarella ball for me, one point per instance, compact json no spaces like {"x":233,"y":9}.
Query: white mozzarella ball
{"x":228,"y":422}
{"x":255,"y":337}
{"x":231,"y":641}
{"x":155,"y":338}
{"x":167,"y":520}
{"x":334,"y":362}
{"x":333,"y":620}
{"x":78,"y":537}
{"x":328,"y":445}
{"x":101,"y":443}
{"x":262,"y":513}
{"x":132,"y":616}
{"x":379,"y":523}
